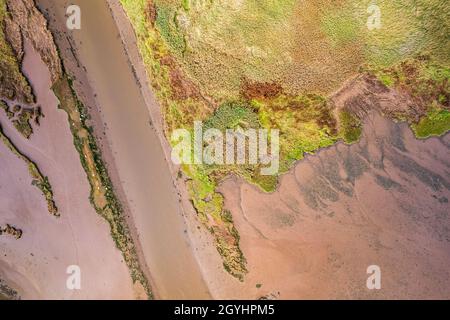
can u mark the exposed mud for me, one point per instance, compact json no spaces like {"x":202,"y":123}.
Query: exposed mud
{"x":35,"y":264}
{"x":382,"y":201}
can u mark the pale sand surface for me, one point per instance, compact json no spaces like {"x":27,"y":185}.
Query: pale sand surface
{"x":383,"y":201}
{"x":35,"y":265}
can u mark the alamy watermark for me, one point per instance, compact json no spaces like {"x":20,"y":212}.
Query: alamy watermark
{"x":73,"y":13}
{"x":73,"y":281}
{"x":374,"y":280}
{"x":374,"y":20}
{"x":230,"y":147}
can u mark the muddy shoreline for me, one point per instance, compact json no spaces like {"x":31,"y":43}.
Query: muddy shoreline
{"x":382,"y":201}
{"x":35,"y":265}
{"x":104,"y":125}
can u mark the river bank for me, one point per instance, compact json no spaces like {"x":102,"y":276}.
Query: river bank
{"x":107,"y":85}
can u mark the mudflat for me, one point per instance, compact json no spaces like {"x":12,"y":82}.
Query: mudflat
{"x":382,"y":201}
{"x":35,"y":265}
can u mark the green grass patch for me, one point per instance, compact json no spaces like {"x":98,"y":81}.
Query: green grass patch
{"x":341,"y":26}
{"x":350,"y":127}
{"x":231,"y":115}
{"x":306,"y":124}
{"x":435,"y":123}
{"x":167,"y":24}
